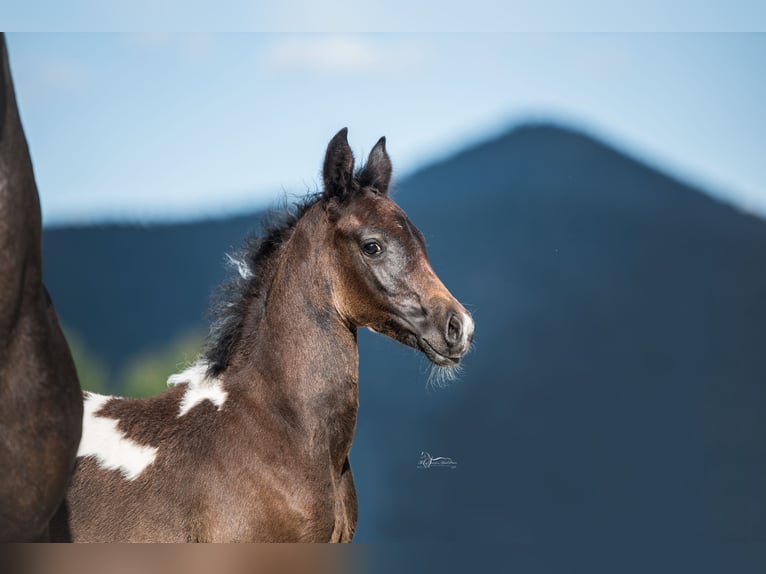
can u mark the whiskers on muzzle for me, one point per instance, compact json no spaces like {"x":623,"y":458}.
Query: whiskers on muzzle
{"x":441,"y":377}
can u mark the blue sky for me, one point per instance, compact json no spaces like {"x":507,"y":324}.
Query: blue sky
{"x":158,"y":126}
{"x":385,"y":16}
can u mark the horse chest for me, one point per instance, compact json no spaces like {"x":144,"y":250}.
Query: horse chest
{"x":270,"y":509}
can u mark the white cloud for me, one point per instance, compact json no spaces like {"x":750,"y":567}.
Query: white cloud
{"x":335,"y":54}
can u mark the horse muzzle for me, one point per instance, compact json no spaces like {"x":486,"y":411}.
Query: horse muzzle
{"x":449,"y":337}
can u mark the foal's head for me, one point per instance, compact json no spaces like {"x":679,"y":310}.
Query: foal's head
{"x":383,"y":279}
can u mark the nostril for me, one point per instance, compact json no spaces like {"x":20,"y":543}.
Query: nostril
{"x":454,"y":329}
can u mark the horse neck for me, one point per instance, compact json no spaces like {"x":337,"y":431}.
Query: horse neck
{"x":304,"y":353}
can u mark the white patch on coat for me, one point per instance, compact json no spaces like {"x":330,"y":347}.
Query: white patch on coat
{"x":102,"y":440}
{"x":193,"y":375}
{"x":199,"y":387}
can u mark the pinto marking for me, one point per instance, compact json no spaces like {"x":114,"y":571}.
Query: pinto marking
{"x":199,"y":387}
{"x":102,"y":440}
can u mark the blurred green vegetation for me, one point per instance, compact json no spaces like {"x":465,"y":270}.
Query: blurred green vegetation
{"x":144,"y":375}
{"x":147,"y":374}
{"x":91,"y":371}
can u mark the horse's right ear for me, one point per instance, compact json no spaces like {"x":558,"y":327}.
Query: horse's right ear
{"x":338,"y":167}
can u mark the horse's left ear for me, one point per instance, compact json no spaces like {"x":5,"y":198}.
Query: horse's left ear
{"x":377,"y":170}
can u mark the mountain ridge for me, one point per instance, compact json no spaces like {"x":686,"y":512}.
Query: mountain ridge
{"x":517,"y":135}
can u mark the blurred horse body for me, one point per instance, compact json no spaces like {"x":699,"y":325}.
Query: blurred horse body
{"x":251,"y":443}
{"x":40,"y":399}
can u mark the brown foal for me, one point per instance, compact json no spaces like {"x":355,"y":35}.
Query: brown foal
{"x":251,"y":443}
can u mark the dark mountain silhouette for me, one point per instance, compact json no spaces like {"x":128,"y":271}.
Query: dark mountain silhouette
{"x":616,"y":390}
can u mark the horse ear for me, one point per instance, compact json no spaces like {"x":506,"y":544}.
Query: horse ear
{"x":377,"y":171}
{"x":338,"y":166}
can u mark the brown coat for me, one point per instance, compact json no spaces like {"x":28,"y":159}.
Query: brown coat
{"x":40,"y":402}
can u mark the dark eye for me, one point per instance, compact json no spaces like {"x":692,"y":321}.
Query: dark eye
{"x":372,"y":248}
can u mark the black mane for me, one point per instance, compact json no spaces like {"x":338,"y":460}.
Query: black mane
{"x":248,"y":282}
